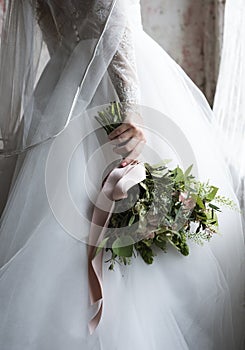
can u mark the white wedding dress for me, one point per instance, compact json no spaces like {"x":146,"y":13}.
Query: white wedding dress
{"x":176,"y":303}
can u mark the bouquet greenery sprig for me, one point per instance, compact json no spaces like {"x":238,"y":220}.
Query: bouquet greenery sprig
{"x":170,"y":207}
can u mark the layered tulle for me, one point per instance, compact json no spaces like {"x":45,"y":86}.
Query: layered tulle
{"x":176,"y":303}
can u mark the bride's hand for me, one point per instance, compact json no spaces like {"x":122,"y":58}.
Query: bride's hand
{"x":129,"y":140}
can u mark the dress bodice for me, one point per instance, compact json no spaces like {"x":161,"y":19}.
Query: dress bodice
{"x":67,"y":22}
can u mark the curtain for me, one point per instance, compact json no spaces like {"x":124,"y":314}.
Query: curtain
{"x":229,"y":104}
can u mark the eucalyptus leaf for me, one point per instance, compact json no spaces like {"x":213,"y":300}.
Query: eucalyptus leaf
{"x":123,"y":246}
{"x":188,"y":171}
{"x":179,"y":175}
{"x":211,"y":195}
{"x":131,"y":221}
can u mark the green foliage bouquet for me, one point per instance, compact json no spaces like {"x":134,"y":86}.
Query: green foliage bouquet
{"x":169,"y":207}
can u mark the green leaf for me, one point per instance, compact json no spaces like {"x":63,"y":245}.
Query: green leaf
{"x":161,"y":241}
{"x":101,"y":245}
{"x":188,"y":171}
{"x":184,"y":249}
{"x":179,"y":175}
{"x":210,"y":196}
{"x":131,"y":221}
{"x":123,"y":246}
{"x":212,"y":219}
{"x":214,"y":207}
{"x":145,"y":252}
{"x":198,"y":201}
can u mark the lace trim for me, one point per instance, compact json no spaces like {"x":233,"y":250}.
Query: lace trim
{"x":122,"y":71}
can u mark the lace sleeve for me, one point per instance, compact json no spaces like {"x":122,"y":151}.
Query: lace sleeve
{"x":122,"y":70}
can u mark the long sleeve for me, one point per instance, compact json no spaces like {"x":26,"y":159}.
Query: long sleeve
{"x":123,"y":72}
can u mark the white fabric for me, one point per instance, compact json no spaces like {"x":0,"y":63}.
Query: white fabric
{"x":229,"y":104}
{"x":85,"y":36}
{"x":177,"y":303}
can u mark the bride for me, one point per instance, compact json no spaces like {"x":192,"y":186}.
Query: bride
{"x":61,"y":63}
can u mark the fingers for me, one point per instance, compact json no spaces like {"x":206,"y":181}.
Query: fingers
{"x":124,"y":137}
{"x":119,"y":130}
{"x":129,"y":140}
{"x":125,"y":132}
{"x":125,"y":149}
{"x":133,"y":154}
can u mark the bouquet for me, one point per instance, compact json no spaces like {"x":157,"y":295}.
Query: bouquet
{"x":170,"y":207}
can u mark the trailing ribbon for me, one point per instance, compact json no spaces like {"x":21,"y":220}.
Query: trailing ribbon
{"x":115,"y":187}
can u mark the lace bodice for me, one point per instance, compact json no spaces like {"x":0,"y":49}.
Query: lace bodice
{"x":67,"y":22}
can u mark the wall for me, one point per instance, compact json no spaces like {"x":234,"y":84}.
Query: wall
{"x":191,"y":32}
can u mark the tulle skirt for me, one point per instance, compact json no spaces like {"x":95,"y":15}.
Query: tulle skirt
{"x":178,"y":302}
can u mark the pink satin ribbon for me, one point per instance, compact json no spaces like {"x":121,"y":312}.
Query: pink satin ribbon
{"x":115,"y":187}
